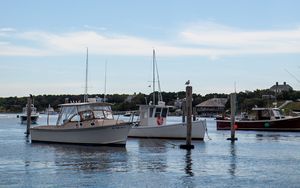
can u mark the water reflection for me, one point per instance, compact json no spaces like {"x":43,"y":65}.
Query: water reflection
{"x":87,"y":158}
{"x":188,"y":163}
{"x":232,"y":164}
{"x":188,"y":179}
{"x":154,"y":155}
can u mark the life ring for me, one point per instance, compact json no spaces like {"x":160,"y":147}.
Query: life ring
{"x":159,"y":120}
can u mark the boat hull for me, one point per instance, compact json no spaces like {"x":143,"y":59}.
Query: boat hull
{"x":171,"y":131}
{"x":98,"y":135}
{"x":34,"y":119}
{"x":285,"y":124}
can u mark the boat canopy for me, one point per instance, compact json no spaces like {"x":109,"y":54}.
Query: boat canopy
{"x":84,"y":111}
{"x":150,"y":114}
{"x":268,"y":113}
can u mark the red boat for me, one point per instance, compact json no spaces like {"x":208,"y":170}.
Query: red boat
{"x":266,"y":119}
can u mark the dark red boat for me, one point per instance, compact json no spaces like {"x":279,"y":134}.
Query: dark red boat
{"x":265,"y":119}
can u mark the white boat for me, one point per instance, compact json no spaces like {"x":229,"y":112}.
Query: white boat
{"x":153,"y":118}
{"x":34,"y":115}
{"x":84,"y":123}
{"x":49,"y":111}
{"x":90,"y":122}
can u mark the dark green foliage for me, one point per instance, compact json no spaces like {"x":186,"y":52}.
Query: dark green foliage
{"x":122,"y":102}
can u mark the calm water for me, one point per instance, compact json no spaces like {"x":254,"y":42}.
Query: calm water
{"x":257,"y":159}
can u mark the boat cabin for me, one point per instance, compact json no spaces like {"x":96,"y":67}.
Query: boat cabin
{"x":33,"y":109}
{"x":267,"y":113}
{"x":78,"y":112}
{"x":153,"y":114}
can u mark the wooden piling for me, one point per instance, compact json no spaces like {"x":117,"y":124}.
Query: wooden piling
{"x":29,"y":102}
{"x":183,"y":106}
{"x":188,"y":144}
{"x":232,"y":116}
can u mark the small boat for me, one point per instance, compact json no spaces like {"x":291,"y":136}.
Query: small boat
{"x":153,"y":124}
{"x":49,"y":111}
{"x":265,"y":119}
{"x":153,"y":118}
{"x":34,"y":115}
{"x":89,"y":123}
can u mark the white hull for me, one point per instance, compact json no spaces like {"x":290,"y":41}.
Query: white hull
{"x":98,"y":135}
{"x":171,"y":131}
{"x":34,"y":119}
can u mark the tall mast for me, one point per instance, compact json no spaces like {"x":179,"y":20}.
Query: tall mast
{"x":105,"y":82}
{"x":85,"y":99}
{"x":153,"y":77}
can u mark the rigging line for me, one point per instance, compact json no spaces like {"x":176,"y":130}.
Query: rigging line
{"x":105,"y":81}
{"x":158,"y":82}
{"x":86,"y":76}
{"x":292,"y":75}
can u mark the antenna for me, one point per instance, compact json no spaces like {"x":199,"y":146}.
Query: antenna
{"x":234,"y":86}
{"x":85,"y":99}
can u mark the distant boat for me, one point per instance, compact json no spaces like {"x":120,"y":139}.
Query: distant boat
{"x":34,"y":115}
{"x":127,"y":114}
{"x":49,"y":111}
{"x":266,"y":119}
{"x":153,"y":118}
{"x":84,"y":123}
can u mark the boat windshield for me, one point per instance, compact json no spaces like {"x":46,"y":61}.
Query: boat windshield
{"x":277,"y":113}
{"x":66,"y":113}
{"x":83,"y":112}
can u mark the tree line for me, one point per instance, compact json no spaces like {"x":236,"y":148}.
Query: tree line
{"x":123,"y":102}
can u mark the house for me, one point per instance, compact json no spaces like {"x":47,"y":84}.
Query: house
{"x":211,"y":107}
{"x":278,"y":88}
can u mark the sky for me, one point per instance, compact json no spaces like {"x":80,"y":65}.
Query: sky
{"x":218,"y":45}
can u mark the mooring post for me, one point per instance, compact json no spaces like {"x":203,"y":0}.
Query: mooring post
{"x":29,"y":101}
{"x":183,"y":106}
{"x":232,"y":116}
{"x":188,"y":144}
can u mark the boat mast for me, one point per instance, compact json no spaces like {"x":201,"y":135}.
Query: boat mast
{"x":85,"y":99}
{"x":153,"y":76}
{"x":105,"y":81}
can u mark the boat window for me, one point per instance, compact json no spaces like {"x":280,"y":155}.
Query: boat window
{"x":277,"y":113}
{"x":76,"y":118}
{"x":157,"y":112}
{"x":263,"y":115}
{"x":102,"y":114}
{"x":87,"y":115}
{"x":151,"y":112}
{"x":164,"y":112}
{"x":99,"y":114}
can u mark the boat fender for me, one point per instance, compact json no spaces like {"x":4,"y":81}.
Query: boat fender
{"x":159,"y":120}
{"x":235,"y":126}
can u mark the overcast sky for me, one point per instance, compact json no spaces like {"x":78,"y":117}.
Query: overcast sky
{"x":214,"y":44}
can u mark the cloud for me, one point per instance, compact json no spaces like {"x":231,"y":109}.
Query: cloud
{"x":235,"y":41}
{"x":199,"y":39}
